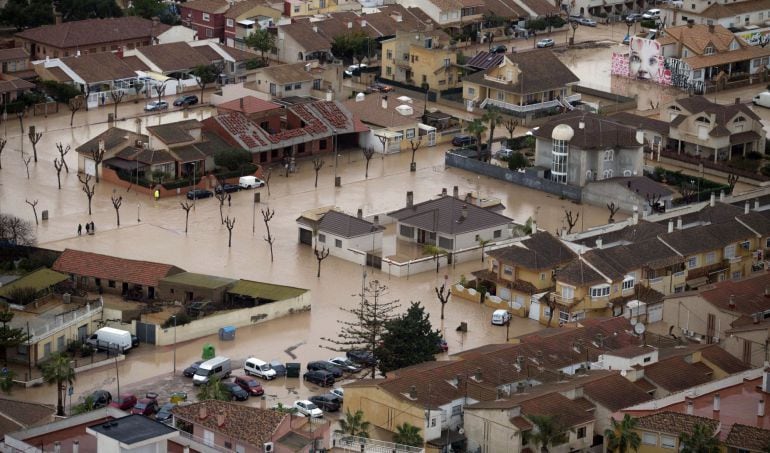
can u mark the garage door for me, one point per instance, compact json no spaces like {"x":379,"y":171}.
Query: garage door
{"x":534,"y":310}
{"x":655,"y":313}
{"x":504,"y":293}
{"x":305,"y":236}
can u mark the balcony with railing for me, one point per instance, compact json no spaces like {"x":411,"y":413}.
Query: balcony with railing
{"x":364,"y":444}
{"x":561,"y":300}
{"x":533,"y":107}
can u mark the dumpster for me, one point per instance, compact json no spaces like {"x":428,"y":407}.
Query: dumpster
{"x":293,"y":369}
{"x":227,"y":333}
{"x":208,"y":352}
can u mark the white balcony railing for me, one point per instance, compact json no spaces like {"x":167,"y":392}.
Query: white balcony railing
{"x":529,"y":107}
{"x":61,"y":321}
{"x":364,"y":444}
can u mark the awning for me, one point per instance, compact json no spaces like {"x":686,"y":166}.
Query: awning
{"x":744,"y":137}
{"x":696,"y":282}
{"x":157,"y":76}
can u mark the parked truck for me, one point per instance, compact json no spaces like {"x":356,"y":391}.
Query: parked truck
{"x":109,"y":338}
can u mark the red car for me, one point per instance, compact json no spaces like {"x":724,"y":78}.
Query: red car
{"x":125,"y":402}
{"x":252,"y":387}
{"x":146,"y":407}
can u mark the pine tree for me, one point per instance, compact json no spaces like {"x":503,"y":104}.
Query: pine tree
{"x":408,"y":340}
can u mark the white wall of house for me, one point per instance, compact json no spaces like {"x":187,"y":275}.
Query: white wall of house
{"x":350,"y":248}
{"x":613,"y":362}
{"x":233,"y":91}
{"x":177,"y":33}
{"x":490,"y":430}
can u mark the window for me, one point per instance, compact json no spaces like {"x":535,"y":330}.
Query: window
{"x":628,"y":282}
{"x":297,"y":86}
{"x":316,"y":84}
{"x":737,"y":275}
{"x":296,"y":9}
{"x":209,"y":33}
{"x":229,"y":22}
{"x":47,"y":349}
{"x":338,"y":243}
{"x":497,"y":233}
{"x":740,"y":119}
{"x":322,"y":238}
{"x":542,"y":276}
{"x":457,"y":410}
{"x":767,"y":243}
{"x":388,"y":71}
{"x":581,"y":432}
{"x":692,"y":262}
{"x":390,"y":54}
{"x":287,"y":87}
{"x":507,"y":270}
{"x":702,"y":119}
{"x":60,"y":343}
{"x":730,"y":251}
{"x":208,"y":438}
{"x":445,"y":243}
{"x":609,"y":155}
{"x":494,"y":266}
{"x":649,"y":439}
{"x":709,"y":50}
{"x":206,"y":17}
{"x":711,"y":258}
{"x":500,"y":96}
{"x":667,"y":442}
{"x":98,"y":282}
{"x":471,"y":91}
{"x":433,"y":422}
{"x":679,"y":288}
{"x":607,"y":174}
{"x":405,"y":57}
{"x":567,"y":292}
{"x":111,"y":283}
{"x":406,"y":231}
{"x":228,"y":445}
{"x":600,"y":291}
{"x":410,"y":133}
{"x":563,"y":316}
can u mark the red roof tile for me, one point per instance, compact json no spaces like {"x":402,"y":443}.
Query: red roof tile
{"x":106,"y":267}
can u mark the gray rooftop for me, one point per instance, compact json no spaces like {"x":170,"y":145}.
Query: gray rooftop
{"x":445,"y":215}
{"x":132,"y":429}
{"x":345,"y":225}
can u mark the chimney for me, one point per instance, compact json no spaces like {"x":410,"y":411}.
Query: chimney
{"x":464,"y":212}
{"x":220,"y":418}
{"x":761,"y":408}
{"x":689,"y":406}
{"x":746,"y":207}
{"x":670,"y":225}
{"x":678,"y":223}
{"x":582,"y":124}
{"x":363,"y":23}
{"x":75,"y":446}
{"x":732,"y":300}
{"x":534,"y":226}
{"x":716,"y":402}
{"x":57,"y":18}
{"x":241,"y":104}
{"x":469,"y":197}
{"x":376,"y":221}
{"x":384,"y":102}
{"x":711,"y":28}
{"x":722,"y":195}
{"x":443,"y":191}
{"x":202,"y":414}
{"x":360,"y":213}
{"x":315,"y":28}
{"x":635,"y":217}
{"x":409,"y":199}
{"x":413,"y":392}
{"x":599,"y":242}
{"x":713,"y":199}
{"x":456,"y":192}
{"x":186,"y":449}
{"x":737,"y":100}
{"x":478,"y":375}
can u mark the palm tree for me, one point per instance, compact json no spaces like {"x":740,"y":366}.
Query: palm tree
{"x":477,"y":128}
{"x":354,"y":424}
{"x":547,"y":432}
{"x":436,"y":252}
{"x":213,"y":390}
{"x":701,"y":440}
{"x":622,"y":436}
{"x":58,"y":370}
{"x":494,"y":118}
{"x":483,"y":243}
{"x":285,"y":409}
{"x":408,"y":434}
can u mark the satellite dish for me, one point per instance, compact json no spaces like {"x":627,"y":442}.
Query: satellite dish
{"x":461,"y":431}
{"x":639,"y":328}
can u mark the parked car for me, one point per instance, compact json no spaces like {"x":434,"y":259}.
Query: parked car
{"x":442,"y":346}
{"x":379,"y":88}
{"x":365,"y":358}
{"x":197,"y":194}
{"x":188,"y":99}
{"x":634,"y":17}
{"x":146,"y":407}
{"x":325,"y":402}
{"x":545,"y":42}
{"x":236,"y":392}
{"x":308,"y":409}
{"x":651,"y":14}
{"x":586,"y":22}
{"x":250,"y":182}
{"x":278,"y":367}
{"x":156,"y":106}
{"x":255,"y":367}
{"x":762,"y":99}
{"x":319,"y":377}
{"x":345,"y":364}
{"x":190,"y":370}
{"x":101,"y":398}
{"x":500,"y":317}
{"x":164,"y":413}
{"x":339,"y":392}
{"x":326,"y":366}
{"x":504,"y":154}
{"x":354,"y":69}
{"x":463,"y":140}
{"x":498,"y":49}
{"x":250,"y":385}
{"x":227,"y":188}
{"x":124,"y":402}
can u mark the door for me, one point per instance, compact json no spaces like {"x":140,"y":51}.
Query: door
{"x":82,"y":333}
{"x":125,"y":288}
{"x":655,"y":313}
{"x":145,"y":332}
{"x":431,"y":138}
{"x":421,"y":236}
{"x":305,"y":236}
{"x":504,"y":293}
{"x":151,"y":292}
{"x":711,"y":328}
{"x":534,"y":309}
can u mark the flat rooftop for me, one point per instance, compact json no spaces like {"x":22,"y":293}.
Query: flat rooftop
{"x":132,"y":429}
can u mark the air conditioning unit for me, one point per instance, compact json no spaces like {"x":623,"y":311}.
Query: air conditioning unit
{"x":268,"y":447}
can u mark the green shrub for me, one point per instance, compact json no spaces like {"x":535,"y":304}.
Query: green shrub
{"x":517,"y":161}
{"x":61,"y":92}
{"x":22,"y":295}
{"x":181,"y":319}
{"x":232,"y":159}
{"x":648,"y":23}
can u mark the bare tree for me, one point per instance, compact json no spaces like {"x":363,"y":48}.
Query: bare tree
{"x":186,"y":205}
{"x":688,"y":192}
{"x":221,"y":195}
{"x":572,"y":219}
{"x":415,"y":145}
{"x":443,"y":295}
{"x":266,"y":178}
{"x":3,"y":142}
{"x":318,"y":163}
{"x":230,"y":223}
{"x":57,"y":164}
{"x":267,"y":216}
{"x":160,"y":90}
{"x":87,"y":189}
{"x":97,"y":155}
{"x":368,"y":153}
{"x":652,"y":201}
{"x":116,"y":202}
{"x":613,"y":210}
{"x":384,"y":142}
{"x":16,"y":231}
{"x":26,"y":161}
{"x":63,"y":152}
{"x":320,"y":255}
{"x":34,"y":137}
{"x":511,"y":125}
{"x":117,"y":98}
{"x":34,"y":209}
{"x":732,"y":180}
{"x":75,"y":104}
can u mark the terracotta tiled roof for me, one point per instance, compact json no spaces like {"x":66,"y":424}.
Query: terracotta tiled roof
{"x":698,"y":36}
{"x":748,"y":295}
{"x":733,"y":56}
{"x":723,"y":359}
{"x":345,"y":225}
{"x":444,"y":215}
{"x":674,"y":423}
{"x":100,"y":67}
{"x":748,"y":438}
{"x":249,"y":425}
{"x":14,"y":53}
{"x":615,"y":392}
{"x":690,"y":241}
{"x":370,"y":111}
{"x":539,"y":251}
{"x":286,"y":73}
{"x":107,"y":267}
{"x":208,"y":6}
{"x":676,"y":374}
{"x":540,"y":69}
{"x":567,"y":412}
{"x":175,"y":56}
{"x":598,"y":132}
{"x":84,"y":33}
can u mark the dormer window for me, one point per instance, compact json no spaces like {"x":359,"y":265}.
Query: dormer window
{"x":702,"y":119}
{"x":740,"y":119}
{"x":709,"y":50}
{"x":600,"y":291}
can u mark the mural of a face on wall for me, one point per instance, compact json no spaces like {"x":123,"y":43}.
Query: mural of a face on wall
{"x":644,"y":60}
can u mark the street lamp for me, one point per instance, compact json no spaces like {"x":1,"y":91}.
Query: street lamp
{"x":174,"y":372}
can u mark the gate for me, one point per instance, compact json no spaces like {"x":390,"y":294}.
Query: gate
{"x":374,"y":261}
{"x":305,"y":236}
{"x":145,"y":332}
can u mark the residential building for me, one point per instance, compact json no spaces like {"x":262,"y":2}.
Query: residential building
{"x":308,"y":78}
{"x":451,"y":224}
{"x":522,"y":84}
{"x":224,"y":425}
{"x":729,"y":15}
{"x":655,"y":131}
{"x":455,"y":13}
{"x":520,"y":271}
{"x":95,"y":272}
{"x":717,"y":132}
{"x":15,"y":64}
{"x":629,"y":193}
{"x":301,"y":41}
{"x":89,"y":36}
{"x":42,"y":281}
{"x":664,"y":429}
{"x":206,"y":17}
{"x":732,"y":313}
{"x":191,"y":148}
{"x":296,"y":8}
{"x":245,"y":17}
{"x":345,"y":236}
{"x":132,"y":433}
{"x":421,"y":59}
{"x":711,"y":57}
{"x":191,"y":287}
{"x":578,"y":147}
{"x":747,"y":438}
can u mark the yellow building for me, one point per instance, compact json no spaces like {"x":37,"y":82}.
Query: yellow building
{"x":660,"y":432}
{"x":419,"y":58}
{"x":297,"y":8}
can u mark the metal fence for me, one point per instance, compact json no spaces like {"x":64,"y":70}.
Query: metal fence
{"x":366,"y":445}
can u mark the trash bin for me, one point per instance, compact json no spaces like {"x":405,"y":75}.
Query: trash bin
{"x":293,"y":369}
{"x":227,"y":333}
{"x":208,"y":352}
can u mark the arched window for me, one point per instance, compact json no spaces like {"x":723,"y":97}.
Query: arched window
{"x":626,"y":172}
{"x":740,"y":119}
{"x":609,"y":155}
{"x":703,"y":119}
{"x":607,"y":174}
{"x":589,"y":176}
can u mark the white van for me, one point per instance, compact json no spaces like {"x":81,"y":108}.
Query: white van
{"x":218,"y":366}
{"x":250,"y":182}
{"x":259,"y":368}
{"x":110,"y":338}
{"x":500,"y":317}
{"x":651,"y":14}
{"x":762,"y":99}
